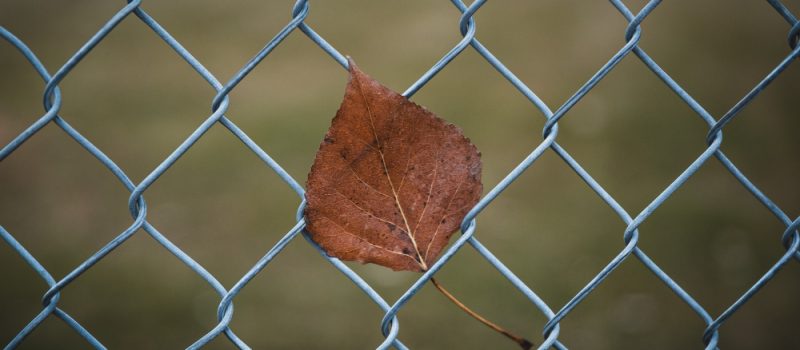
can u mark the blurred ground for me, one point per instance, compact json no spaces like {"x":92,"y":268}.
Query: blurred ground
{"x":136,"y":100}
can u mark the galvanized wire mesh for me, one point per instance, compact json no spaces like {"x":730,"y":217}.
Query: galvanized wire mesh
{"x":391,"y":325}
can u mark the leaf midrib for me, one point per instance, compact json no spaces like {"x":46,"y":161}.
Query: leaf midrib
{"x":409,"y":232}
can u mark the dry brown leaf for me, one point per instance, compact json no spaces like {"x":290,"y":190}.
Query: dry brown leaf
{"x":390,"y":184}
{"x":391,"y":181}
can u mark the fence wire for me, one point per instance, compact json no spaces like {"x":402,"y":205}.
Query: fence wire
{"x":390,"y":325}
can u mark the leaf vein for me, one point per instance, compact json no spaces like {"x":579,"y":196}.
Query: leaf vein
{"x":436,"y":232}
{"x":405,"y":172}
{"x":368,"y":212}
{"x":430,"y":191}
{"x":389,"y":178}
{"x":367,"y":241}
{"x":350,"y":165}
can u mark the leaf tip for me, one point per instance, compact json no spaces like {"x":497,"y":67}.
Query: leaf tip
{"x":351,"y":64}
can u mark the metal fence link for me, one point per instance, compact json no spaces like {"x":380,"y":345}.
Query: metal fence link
{"x":390,"y":325}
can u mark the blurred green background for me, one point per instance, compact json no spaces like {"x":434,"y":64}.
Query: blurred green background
{"x":136,"y":100}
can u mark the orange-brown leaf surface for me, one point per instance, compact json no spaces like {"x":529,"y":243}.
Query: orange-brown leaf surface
{"x":391,"y":181}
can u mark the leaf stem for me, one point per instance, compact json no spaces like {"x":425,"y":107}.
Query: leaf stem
{"x":524,"y":343}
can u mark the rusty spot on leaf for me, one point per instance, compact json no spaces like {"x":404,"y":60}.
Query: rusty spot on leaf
{"x":395,"y":184}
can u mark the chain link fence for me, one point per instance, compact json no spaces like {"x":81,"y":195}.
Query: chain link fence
{"x":391,"y":324}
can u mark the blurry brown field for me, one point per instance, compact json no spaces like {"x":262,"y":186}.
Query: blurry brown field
{"x":137,"y":100}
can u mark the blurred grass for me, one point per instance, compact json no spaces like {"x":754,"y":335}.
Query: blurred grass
{"x":136,"y":100}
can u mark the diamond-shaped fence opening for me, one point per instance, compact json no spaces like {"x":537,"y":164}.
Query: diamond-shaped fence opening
{"x":554,"y":333}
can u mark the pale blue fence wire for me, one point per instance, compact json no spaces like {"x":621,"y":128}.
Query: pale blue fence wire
{"x":390,"y":325}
